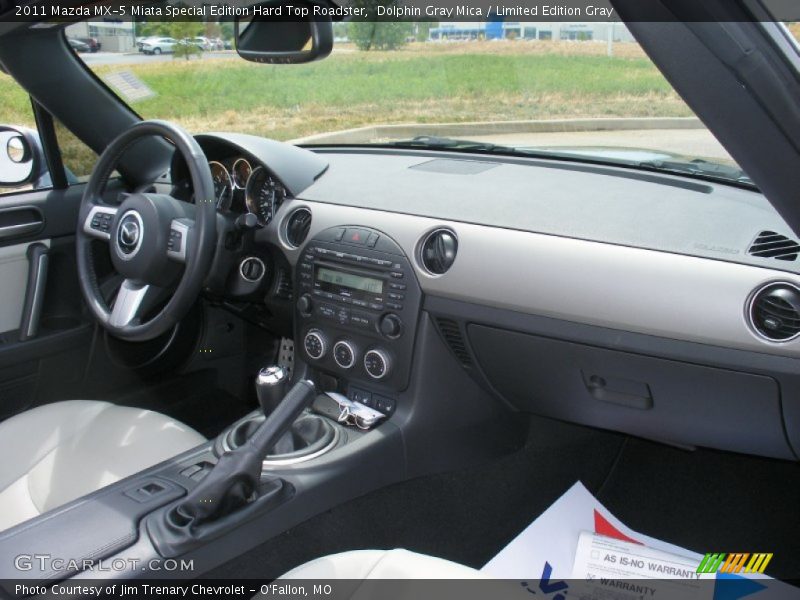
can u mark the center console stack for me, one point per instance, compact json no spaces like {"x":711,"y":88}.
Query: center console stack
{"x":358,"y":304}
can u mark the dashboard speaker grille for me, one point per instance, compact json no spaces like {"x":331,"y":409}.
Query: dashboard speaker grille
{"x":451,"y":332}
{"x":297,"y":227}
{"x":775,"y":312}
{"x":770,"y":244}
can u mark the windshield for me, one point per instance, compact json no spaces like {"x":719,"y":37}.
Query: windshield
{"x":581,"y":90}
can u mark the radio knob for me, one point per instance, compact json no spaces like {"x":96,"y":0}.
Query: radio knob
{"x":344,"y":354}
{"x":314,"y":344}
{"x":377,"y":364}
{"x":391,"y":326}
{"x":304,"y":305}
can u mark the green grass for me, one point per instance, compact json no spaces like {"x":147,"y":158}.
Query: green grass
{"x":422,"y":84}
{"x":202,"y":88}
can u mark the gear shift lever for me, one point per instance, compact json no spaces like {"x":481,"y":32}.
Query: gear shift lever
{"x":233,"y":482}
{"x":271,"y":386}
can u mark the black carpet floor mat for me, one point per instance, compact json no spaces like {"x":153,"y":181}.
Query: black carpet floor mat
{"x":192,"y":399}
{"x":710,"y":501}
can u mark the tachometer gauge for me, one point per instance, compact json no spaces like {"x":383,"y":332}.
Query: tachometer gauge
{"x":263,"y":195}
{"x":241,"y":173}
{"x":223,"y":186}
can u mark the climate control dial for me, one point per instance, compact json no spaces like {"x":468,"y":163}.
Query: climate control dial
{"x":344,"y":354}
{"x":377,"y":363}
{"x":315,"y":344}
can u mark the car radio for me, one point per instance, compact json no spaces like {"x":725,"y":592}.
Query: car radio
{"x":358,"y":302}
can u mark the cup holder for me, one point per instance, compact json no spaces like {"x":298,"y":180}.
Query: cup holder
{"x":311,"y":436}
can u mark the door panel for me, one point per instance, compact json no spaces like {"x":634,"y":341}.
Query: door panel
{"x":47,"y":361}
{"x":13,"y":284}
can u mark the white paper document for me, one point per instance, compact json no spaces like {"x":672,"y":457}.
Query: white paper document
{"x":577,"y":549}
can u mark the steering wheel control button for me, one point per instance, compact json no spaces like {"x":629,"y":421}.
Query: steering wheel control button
{"x":376,"y":364}
{"x":314,"y":344}
{"x":344,"y":354}
{"x":177,"y":241}
{"x":252,"y":269}
{"x":102,"y":221}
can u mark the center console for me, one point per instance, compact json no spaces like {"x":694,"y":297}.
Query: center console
{"x":358,"y":303}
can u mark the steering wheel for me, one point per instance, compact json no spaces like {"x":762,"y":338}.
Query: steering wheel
{"x":161,"y":247}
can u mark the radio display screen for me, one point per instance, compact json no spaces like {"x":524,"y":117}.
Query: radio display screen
{"x":348,"y":284}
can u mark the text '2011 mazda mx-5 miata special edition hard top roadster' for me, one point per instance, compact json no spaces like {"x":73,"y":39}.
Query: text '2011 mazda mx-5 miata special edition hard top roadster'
{"x":375,"y":294}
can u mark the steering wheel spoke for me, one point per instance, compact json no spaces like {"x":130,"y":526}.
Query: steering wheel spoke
{"x":132,"y":301}
{"x":98,"y":222}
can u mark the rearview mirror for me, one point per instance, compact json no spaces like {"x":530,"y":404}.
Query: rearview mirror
{"x":20,"y":156}
{"x":281,"y":32}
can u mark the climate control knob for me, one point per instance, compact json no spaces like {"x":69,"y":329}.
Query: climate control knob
{"x":377,"y":364}
{"x":344,"y":354}
{"x":315,"y":344}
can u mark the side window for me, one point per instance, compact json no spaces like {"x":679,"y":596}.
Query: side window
{"x":77,"y":157}
{"x":23,"y":165}
{"x":21,"y":160}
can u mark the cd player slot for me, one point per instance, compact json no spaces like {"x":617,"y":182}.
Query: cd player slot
{"x":347,"y":267}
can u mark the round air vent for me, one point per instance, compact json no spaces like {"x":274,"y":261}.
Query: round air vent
{"x":775,"y":312}
{"x":438,"y":251}
{"x":297,"y":227}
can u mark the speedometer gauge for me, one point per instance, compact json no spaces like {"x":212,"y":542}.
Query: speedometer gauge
{"x":223,"y":187}
{"x":263,"y":195}
{"x":241,"y":173}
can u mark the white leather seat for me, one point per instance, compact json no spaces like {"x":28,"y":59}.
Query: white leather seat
{"x":59,"y":452}
{"x":381,"y":564}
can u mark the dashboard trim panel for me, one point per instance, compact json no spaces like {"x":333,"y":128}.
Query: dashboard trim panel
{"x":619,"y":287}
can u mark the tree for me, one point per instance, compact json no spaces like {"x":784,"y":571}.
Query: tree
{"x":372,"y":35}
{"x":424,"y":30}
{"x":153,"y":29}
{"x":378,"y":35}
{"x":183,"y":32}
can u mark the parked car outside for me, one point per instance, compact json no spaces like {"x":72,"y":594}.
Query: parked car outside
{"x":78,"y":45}
{"x":159,"y":45}
{"x":93,"y":43}
{"x":202,"y":42}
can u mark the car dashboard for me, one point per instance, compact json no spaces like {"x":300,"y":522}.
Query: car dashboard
{"x":600,"y":295}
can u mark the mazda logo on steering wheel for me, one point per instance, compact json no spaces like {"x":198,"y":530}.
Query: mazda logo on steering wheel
{"x":129,"y":234}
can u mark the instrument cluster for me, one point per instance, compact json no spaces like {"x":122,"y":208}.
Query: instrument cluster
{"x":241,"y":186}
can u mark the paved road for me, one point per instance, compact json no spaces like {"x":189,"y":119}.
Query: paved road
{"x":113,"y":58}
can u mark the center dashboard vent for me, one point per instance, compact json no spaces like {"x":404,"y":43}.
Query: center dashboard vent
{"x":438,"y":250}
{"x":775,"y":312}
{"x":770,"y":244}
{"x":297,"y":227}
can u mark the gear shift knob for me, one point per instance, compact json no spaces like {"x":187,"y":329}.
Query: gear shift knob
{"x":271,"y":386}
